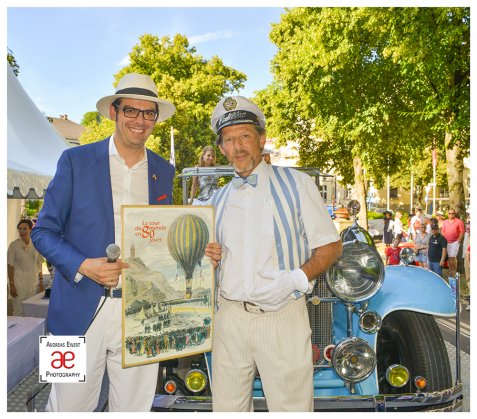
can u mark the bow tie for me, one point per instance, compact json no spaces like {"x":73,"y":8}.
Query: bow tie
{"x":237,"y":182}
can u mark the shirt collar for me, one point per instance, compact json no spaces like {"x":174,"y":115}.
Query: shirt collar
{"x":113,"y":151}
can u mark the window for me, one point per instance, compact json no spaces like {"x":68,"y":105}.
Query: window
{"x":349,"y":193}
{"x":443,"y":193}
{"x":393,"y":193}
{"x":324,"y":192}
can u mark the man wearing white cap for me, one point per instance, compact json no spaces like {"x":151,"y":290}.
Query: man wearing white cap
{"x":80,"y":217}
{"x":277,"y":236}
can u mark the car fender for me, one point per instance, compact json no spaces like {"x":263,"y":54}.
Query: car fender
{"x":415,"y":289}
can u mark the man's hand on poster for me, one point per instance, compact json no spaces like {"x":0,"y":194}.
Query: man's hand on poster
{"x":284,"y":283}
{"x":102,"y":272}
{"x":214,"y":252}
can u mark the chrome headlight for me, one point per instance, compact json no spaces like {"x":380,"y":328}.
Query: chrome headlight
{"x":357,"y":275}
{"x":196,"y":380}
{"x":407,"y":255}
{"x":354,"y":359}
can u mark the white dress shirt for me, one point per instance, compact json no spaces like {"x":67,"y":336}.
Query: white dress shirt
{"x":129,"y":186}
{"x":249,"y":235}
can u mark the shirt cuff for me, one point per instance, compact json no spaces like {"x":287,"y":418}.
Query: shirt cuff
{"x":78,"y":277}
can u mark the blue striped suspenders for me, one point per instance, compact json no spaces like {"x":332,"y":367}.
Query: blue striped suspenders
{"x":291,"y":244}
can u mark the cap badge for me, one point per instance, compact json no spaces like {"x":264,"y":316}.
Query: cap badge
{"x":229,"y":104}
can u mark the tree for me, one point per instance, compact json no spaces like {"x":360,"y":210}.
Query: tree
{"x":352,"y":95}
{"x":90,"y":117}
{"x":12,"y":62}
{"x":422,"y":172}
{"x":431,"y":46}
{"x":336,"y":94}
{"x":193,"y":84}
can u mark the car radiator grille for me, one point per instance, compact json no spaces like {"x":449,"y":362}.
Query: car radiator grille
{"x":321,"y":319}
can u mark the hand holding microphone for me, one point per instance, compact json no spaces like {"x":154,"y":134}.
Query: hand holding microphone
{"x":105,"y":271}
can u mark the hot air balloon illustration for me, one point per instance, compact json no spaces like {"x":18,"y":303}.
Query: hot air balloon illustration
{"x":187,"y":237}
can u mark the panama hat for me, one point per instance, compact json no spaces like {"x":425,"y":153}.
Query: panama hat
{"x":235,"y":110}
{"x":137,"y":86}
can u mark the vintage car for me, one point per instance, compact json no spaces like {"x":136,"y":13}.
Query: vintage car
{"x":376,"y":345}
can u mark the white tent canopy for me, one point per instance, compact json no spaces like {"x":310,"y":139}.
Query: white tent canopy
{"x":33,"y":144}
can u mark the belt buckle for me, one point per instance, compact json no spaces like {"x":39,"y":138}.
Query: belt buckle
{"x":252,"y":308}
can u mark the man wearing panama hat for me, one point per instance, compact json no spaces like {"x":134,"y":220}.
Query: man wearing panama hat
{"x":80,"y":217}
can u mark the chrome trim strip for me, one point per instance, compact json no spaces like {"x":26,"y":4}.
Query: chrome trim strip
{"x":377,"y":403}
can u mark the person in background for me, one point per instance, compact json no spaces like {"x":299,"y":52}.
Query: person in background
{"x":437,"y":251}
{"x":427,"y":221}
{"x":266,"y":155}
{"x":398,"y":226}
{"x":440,"y":219}
{"x":206,"y":184}
{"x":388,"y":228}
{"x":465,"y":253}
{"x":393,"y":253}
{"x":416,"y":222}
{"x":24,"y":264}
{"x":421,"y":244}
{"x":453,"y":230}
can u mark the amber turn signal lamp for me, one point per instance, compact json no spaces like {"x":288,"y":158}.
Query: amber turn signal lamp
{"x":420,"y":382}
{"x":170,"y":387}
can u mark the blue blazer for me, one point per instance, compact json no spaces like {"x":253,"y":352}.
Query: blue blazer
{"x":77,"y":222}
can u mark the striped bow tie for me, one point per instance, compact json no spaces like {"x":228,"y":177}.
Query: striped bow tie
{"x":237,"y":182}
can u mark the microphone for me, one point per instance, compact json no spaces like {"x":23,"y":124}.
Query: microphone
{"x":113,"y":251}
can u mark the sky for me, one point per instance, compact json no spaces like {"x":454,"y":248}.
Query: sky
{"x":69,"y":55}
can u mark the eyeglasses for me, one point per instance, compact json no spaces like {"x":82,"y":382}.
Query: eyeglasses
{"x":451,"y":213}
{"x":148,"y":115}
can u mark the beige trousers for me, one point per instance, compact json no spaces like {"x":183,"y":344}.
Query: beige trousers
{"x":278,"y":344}
{"x":18,"y":303}
{"x":130,"y":389}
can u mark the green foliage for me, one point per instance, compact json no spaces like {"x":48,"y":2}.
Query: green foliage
{"x":97,"y":131}
{"x":381,"y":84}
{"x":375,"y":215}
{"x":33,"y":207}
{"x":90,"y":117}
{"x":193,"y":84}
{"x":335,"y":92}
{"x":12,"y":62}
{"x":431,"y":46}
{"x":422,"y":172}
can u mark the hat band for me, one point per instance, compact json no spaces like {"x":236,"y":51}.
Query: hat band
{"x":237,"y":117}
{"x":136,"y":91}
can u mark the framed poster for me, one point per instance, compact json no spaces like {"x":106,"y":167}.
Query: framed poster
{"x":168,"y":292}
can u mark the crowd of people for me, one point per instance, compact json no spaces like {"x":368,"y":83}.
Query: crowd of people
{"x":436,"y":241}
{"x":180,"y":339}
